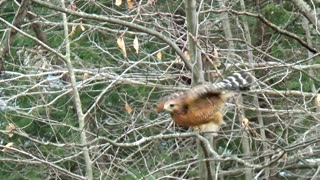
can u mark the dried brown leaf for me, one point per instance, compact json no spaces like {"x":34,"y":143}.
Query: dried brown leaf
{"x":82,"y":27}
{"x":5,"y":149}
{"x":128,"y":108}
{"x":216,"y":62}
{"x":74,"y":7}
{"x":136,"y":44}
{"x":130,"y":4}
{"x":187,"y":55}
{"x":122,"y":46}
{"x":245,"y":122}
{"x":10,"y":128}
{"x":85,"y":76}
{"x":118,"y":2}
{"x":73,"y":30}
{"x":159,"y":56}
{"x":151,"y":2}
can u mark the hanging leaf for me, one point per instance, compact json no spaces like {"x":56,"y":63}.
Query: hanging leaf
{"x":318,"y":100}
{"x":159,"y":56}
{"x":215,"y":53}
{"x":118,"y":2}
{"x":250,"y":131}
{"x":245,"y":122}
{"x":73,"y":30}
{"x":130,"y":4}
{"x":151,"y":2}
{"x":122,"y":46}
{"x":10,"y":128}
{"x":136,"y":44}
{"x":216,"y":61}
{"x":128,"y":108}
{"x":187,"y":55}
{"x":82,"y":27}
{"x":85,"y":76}
{"x":74,"y":7}
{"x":5,"y":149}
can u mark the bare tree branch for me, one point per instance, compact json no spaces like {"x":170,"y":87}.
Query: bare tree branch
{"x":120,"y":22}
{"x":310,"y":14}
{"x":76,"y":98}
{"x":270,"y":24}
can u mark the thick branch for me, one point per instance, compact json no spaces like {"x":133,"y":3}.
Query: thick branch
{"x":17,"y":21}
{"x":308,"y":12}
{"x":37,"y":29}
{"x":192,"y":24}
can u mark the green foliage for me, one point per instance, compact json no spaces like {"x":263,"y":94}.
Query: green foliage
{"x":295,"y":82}
{"x":55,"y":39}
{"x":23,"y":172}
{"x":47,"y":114}
{"x":276,"y":14}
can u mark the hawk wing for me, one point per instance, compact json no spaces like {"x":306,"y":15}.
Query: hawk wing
{"x":236,"y":82}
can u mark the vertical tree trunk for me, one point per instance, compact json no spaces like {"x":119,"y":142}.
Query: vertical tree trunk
{"x":76,"y":96}
{"x":226,"y":29}
{"x":17,"y":22}
{"x":310,"y":54}
{"x":255,"y":98}
{"x":230,"y":55}
{"x":195,"y":56}
{"x":308,"y":12}
{"x":205,"y":168}
{"x":231,"y":47}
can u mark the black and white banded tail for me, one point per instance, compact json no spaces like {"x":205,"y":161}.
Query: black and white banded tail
{"x":237,"y":82}
{"x":240,"y":81}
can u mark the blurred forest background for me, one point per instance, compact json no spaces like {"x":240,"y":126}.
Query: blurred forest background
{"x":80,"y":81}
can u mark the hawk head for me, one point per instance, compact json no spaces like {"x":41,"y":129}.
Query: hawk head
{"x":173,"y":106}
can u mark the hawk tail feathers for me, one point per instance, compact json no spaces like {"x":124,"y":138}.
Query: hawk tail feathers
{"x":239,"y":81}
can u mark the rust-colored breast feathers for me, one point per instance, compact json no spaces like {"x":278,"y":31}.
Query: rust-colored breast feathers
{"x":199,"y":111}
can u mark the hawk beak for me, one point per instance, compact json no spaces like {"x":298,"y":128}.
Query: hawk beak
{"x":167,"y":107}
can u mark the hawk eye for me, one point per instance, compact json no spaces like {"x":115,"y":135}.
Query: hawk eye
{"x":171,"y":105}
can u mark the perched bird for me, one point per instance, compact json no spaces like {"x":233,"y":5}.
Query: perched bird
{"x":201,"y":106}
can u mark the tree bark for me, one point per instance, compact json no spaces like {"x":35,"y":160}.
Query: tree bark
{"x":228,"y":33}
{"x":206,"y":168}
{"x":249,"y":174}
{"x":310,"y":14}
{"x":311,"y":71}
{"x":17,"y":22}
{"x":77,"y":100}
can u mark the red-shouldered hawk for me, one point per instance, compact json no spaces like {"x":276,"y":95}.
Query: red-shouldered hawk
{"x":201,"y":106}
